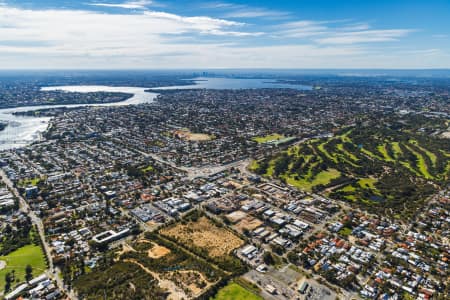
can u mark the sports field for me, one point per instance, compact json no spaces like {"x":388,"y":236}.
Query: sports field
{"x":268,"y":138}
{"x":18,"y":260}
{"x":234,"y":291}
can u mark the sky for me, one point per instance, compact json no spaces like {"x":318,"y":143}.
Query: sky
{"x":172,"y":34}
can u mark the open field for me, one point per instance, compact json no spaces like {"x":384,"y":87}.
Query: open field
{"x":234,"y":291}
{"x":193,"y":137}
{"x":18,"y":260}
{"x":205,"y":235}
{"x":268,"y":138}
{"x":372,"y":165}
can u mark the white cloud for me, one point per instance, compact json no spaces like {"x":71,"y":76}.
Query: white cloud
{"x":63,"y":38}
{"x":140,"y":4}
{"x":255,"y":13}
{"x":439,"y":36}
{"x":232,"y":10}
{"x":339,"y":32}
{"x":218,"y":5}
{"x":302,"y":29}
{"x":355,"y":27}
{"x":88,"y":29}
{"x":365,"y":36}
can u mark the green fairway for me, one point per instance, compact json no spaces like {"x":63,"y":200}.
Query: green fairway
{"x":374,"y":166}
{"x":383,"y":151}
{"x":323,"y":178}
{"x":421,"y":164}
{"x":396,"y":148}
{"x":367,"y":183}
{"x":430,"y":154}
{"x":340,"y":147}
{"x":234,"y":291}
{"x":268,"y":138}
{"x":370,"y":154}
{"x":322,"y":149}
{"x":18,"y":260}
{"x":348,"y":188}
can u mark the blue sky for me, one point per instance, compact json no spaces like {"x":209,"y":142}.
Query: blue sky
{"x":145,"y":34}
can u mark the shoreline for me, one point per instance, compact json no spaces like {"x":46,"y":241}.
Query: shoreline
{"x":31,"y":127}
{"x":66,"y":103}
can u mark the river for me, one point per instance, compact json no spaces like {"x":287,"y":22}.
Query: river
{"x":23,"y":130}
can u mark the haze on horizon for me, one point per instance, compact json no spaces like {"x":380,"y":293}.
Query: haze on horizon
{"x":144,"y":34}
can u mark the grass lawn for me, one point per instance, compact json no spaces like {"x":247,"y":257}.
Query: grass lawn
{"x":147,"y":169}
{"x":268,"y":138}
{"x":234,"y":291}
{"x":19,"y":259}
{"x":271,"y":168}
{"x":345,"y":231}
{"x":253,"y":165}
{"x":26,"y":182}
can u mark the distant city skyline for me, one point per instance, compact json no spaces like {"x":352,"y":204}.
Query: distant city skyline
{"x":144,"y":34}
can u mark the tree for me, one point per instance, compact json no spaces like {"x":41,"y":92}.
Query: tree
{"x":28,"y":273}
{"x":268,"y":258}
{"x":8,"y":280}
{"x":277,"y":249}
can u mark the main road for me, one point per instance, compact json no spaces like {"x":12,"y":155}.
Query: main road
{"x":24,"y":207}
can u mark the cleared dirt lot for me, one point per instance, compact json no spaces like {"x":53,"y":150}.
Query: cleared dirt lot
{"x":194,"y":137}
{"x":248,"y":223}
{"x":206,"y":235}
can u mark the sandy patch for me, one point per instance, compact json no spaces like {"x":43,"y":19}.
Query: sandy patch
{"x":217,"y":241}
{"x":446,"y":135}
{"x":175,"y":293}
{"x":193,"y":282}
{"x":158,"y":251}
{"x":193,"y":137}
